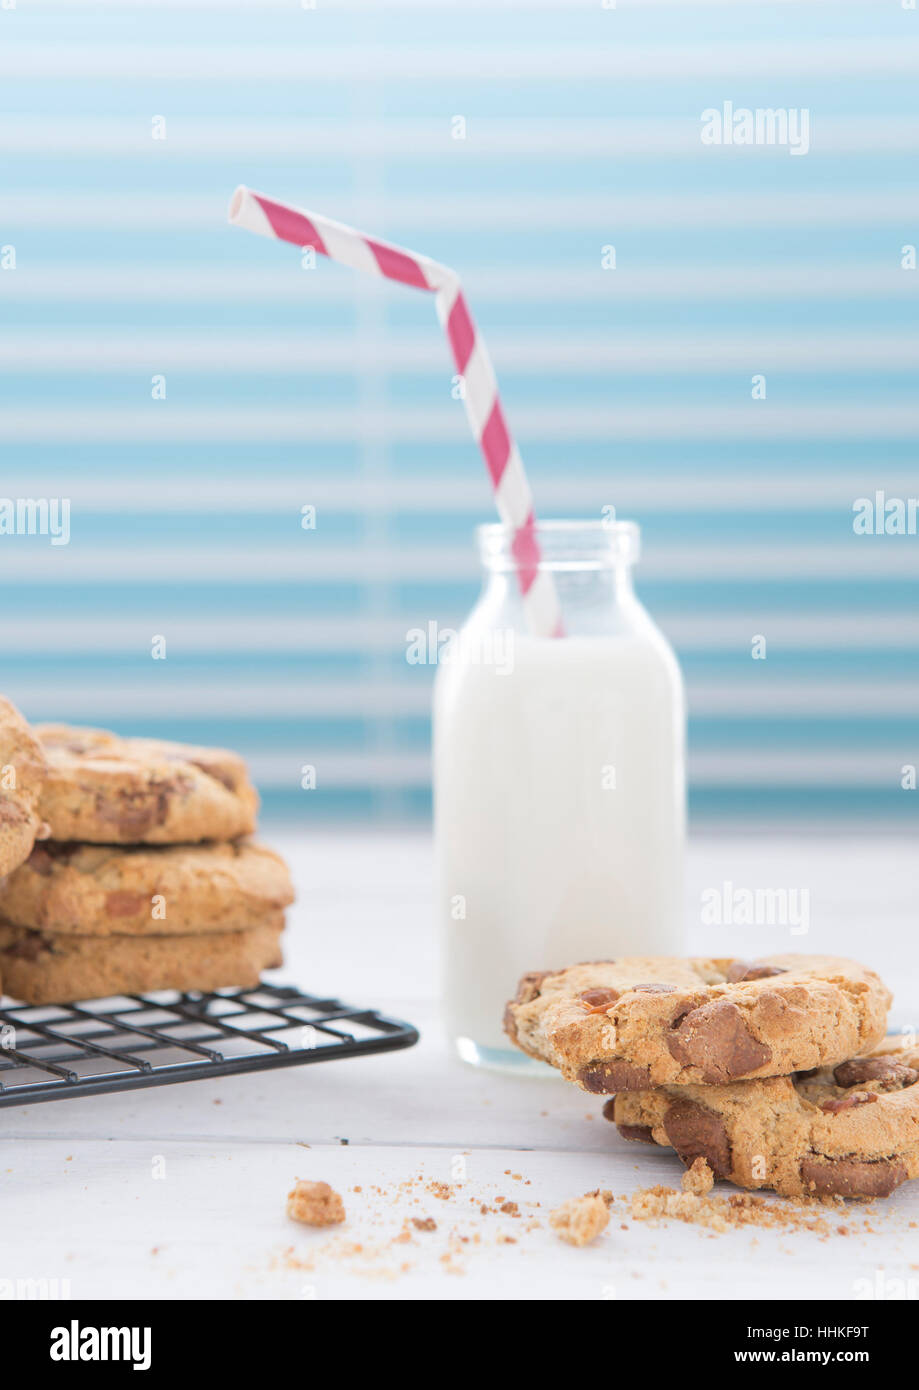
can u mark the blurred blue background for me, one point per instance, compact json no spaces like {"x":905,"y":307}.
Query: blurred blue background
{"x":288,"y":387}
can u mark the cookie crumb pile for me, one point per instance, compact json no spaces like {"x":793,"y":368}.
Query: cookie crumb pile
{"x":420,"y":1225}
{"x":148,"y":880}
{"x":726,"y":1213}
{"x":395,"y":1228}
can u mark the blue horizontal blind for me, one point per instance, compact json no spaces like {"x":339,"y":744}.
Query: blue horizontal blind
{"x":191,"y":388}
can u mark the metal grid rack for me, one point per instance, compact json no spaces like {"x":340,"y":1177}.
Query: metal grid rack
{"x":57,"y":1051}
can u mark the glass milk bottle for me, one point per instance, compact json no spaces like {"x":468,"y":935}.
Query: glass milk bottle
{"x":559,"y":781}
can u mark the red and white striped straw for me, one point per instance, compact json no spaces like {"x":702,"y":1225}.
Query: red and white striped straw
{"x":480,"y":387}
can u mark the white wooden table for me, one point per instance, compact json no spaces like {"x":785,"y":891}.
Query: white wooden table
{"x":179,"y":1191}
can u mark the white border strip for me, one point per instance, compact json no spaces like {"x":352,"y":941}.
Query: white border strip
{"x":33,"y":560}
{"x":307,"y":698}
{"x":162,"y":422}
{"x":789,"y":768}
{"x":242,"y":350}
{"x":186,"y":212}
{"x":729,"y":61}
{"x":413,"y":140}
{"x":37,"y":281}
{"x":266,"y":635}
{"x":789,"y":489}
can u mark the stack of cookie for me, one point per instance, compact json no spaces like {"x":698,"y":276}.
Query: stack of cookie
{"x":771,"y":1073}
{"x":126,"y":868}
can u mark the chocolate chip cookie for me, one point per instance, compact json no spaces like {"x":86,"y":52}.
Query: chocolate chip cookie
{"x":44,"y":968}
{"x":105,"y":890}
{"x":851,"y":1130}
{"x":639,"y":1022}
{"x":110,"y":790}
{"x":22,"y":775}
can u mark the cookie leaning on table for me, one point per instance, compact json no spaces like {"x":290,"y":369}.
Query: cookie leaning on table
{"x":145,"y":890}
{"x":110,"y":790}
{"x":850,"y":1130}
{"x":23,"y":770}
{"x":640,"y":1022}
{"x":45,"y":968}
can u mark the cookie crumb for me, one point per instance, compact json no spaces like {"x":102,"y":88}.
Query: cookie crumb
{"x":315,"y":1204}
{"x":722,"y":1213}
{"x":698,"y":1179}
{"x":581,"y":1219}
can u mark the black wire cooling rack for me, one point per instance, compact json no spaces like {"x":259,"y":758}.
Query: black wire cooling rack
{"x":57,"y":1051}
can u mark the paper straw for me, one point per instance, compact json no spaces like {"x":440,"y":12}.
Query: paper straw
{"x":483,"y":405}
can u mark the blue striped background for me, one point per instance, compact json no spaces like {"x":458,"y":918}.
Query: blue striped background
{"x":288,"y":387}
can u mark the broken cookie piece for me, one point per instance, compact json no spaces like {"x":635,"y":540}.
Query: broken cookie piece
{"x":315,"y":1204}
{"x":643,"y":1021}
{"x":846,"y":1131}
{"x":581,"y":1219}
{"x":698,"y":1178}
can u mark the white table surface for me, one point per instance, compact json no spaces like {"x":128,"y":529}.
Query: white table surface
{"x":82,"y":1202}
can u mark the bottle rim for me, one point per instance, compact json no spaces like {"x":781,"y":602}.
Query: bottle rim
{"x":585,"y":544}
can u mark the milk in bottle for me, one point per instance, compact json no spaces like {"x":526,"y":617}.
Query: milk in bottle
{"x":559,"y":781}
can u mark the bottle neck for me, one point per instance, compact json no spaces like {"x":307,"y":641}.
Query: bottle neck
{"x":588,"y":562}
{"x":569,"y":579}
{"x":595,"y":602}
{"x":562,"y":546}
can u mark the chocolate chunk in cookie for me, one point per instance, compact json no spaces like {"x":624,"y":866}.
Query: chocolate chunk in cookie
{"x":601,"y":1078}
{"x":739,"y":971}
{"x":835,"y":1104}
{"x":697,"y":1132}
{"x":637,"y":1134}
{"x":717,"y":1039}
{"x":885,"y":1070}
{"x":597,"y":1001}
{"x":852,"y":1177}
